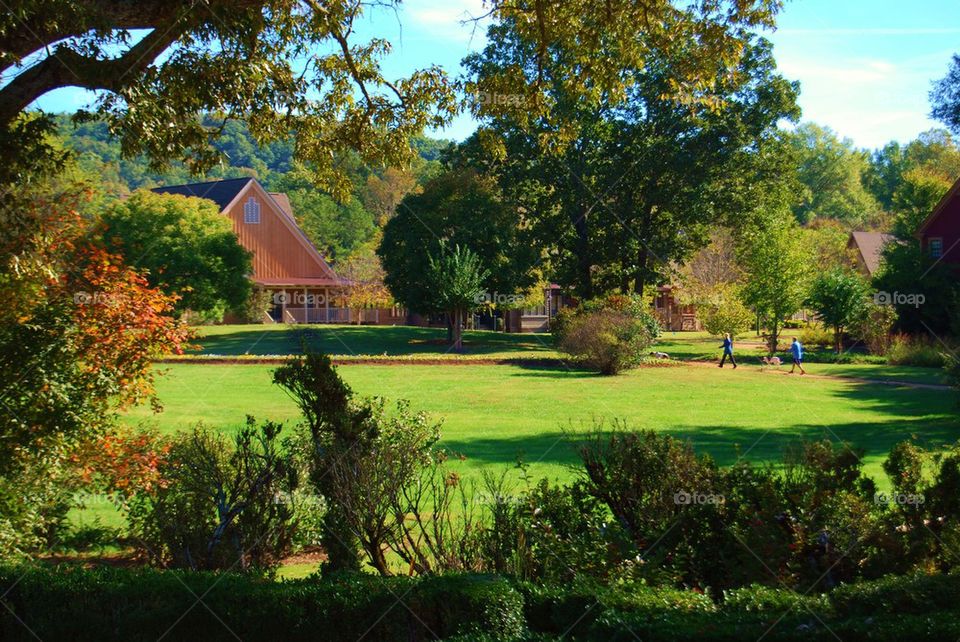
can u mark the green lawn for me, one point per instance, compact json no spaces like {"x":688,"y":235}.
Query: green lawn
{"x":234,"y":340}
{"x":364,"y":340}
{"x":494,"y":413}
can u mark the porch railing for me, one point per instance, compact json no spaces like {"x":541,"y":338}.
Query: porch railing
{"x":317,"y":315}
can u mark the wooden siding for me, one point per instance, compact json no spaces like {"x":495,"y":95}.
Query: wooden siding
{"x":279,"y":250}
{"x":945,"y":226}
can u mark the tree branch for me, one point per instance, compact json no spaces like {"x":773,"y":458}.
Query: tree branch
{"x":66,"y":67}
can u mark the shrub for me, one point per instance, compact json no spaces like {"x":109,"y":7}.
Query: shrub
{"x":219,"y":505}
{"x":609,"y":342}
{"x":816,"y":335}
{"x":608,"y":334}
{"x":124,"y":604}
{"x":382,"y":481}
{"x":914,"y":351}
{"x":733,"y":317}
{"x":951,"y":369}
{"x":256,"y":306}
{"x":874,"y":327}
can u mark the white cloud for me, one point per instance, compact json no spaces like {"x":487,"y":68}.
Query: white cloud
{"x":454,"y":20}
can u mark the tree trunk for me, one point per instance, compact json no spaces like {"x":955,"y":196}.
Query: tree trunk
{"x":774,"y":336}
{"x":642,"y":258}
{"x":457,"y":331}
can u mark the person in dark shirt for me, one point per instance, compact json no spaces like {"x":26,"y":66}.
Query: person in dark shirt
{"x":728,"y":351}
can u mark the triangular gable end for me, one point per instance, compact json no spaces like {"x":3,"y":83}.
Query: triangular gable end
{"x":294,"y":239}
{"x":949,"y":196}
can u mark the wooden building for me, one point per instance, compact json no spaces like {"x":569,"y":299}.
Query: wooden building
{"x":939,"y":234}
{"x":866,"y":249}
{"x":303,"y":286}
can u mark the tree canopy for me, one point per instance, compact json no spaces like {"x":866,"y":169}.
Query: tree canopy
{"x":464,"y":208}
{"x":187,"y":247}
{"x":291,"y":67}
{"x":945,"y":97}
{"x":637,"y":183}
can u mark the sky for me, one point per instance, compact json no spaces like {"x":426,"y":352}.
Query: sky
{"x":865,"y":66}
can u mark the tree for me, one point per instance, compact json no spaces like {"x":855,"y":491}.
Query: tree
{"x":456,"y":277}
{"x":726,"y":314}
{"x":945,"y":97}
{"x":461,"y":207}
{"x":242,"y":59}
{"x":915,"y":199}
{"x":365,"y":274}
{"x":596,"y":41}
{"x":778,"y":265}
{"x":235,"y":58}
{"x":839,"y":297}
{"x":635,"y":185}
{"x":77,"y":342}
{"x":382,"y":194}
{"x":187,"y":248}
{"x":933,"y":154}
{"x":832,"y":173}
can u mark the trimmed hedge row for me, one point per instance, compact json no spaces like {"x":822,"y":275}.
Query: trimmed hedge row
{"x":70,"y":603}
{"x":120,"y":604}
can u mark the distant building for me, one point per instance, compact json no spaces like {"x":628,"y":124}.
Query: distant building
{"x":304,"y":288}
{"x":939,"y":235}
{"x":867,"y":249}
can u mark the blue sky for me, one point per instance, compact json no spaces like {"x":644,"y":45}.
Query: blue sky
{"x":865,"y":66}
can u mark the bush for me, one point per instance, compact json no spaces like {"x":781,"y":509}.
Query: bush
{"x":733,"y":317}
{"x":122,"y":604}
{"x":219,"y":505}
{"x":951,"y":369}
{"x":874,"y":327}
{"x":608,"y":342}
{"x":914,"y":351}
{"x":258,"y":303}
{"x":816,"y":335}
{"x":608,"y":334}
{"x":382,"y":480}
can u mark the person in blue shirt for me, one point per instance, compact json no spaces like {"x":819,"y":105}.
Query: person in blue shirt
{"x":728,"y":351}
{"x":796,"y":349}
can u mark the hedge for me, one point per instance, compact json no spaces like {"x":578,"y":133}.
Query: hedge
{"x":72,"y":603}
{"x":121,"y":604}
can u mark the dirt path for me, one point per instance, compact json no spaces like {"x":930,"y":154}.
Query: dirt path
{"x":784,"y":370}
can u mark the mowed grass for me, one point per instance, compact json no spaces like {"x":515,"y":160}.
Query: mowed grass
{"x":695,"y":346}
{"x":495,"y":414}
{"x":233,"y":340}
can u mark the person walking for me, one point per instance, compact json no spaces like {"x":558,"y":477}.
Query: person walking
{"x":728,"y":351}
{"x":796,"y":349}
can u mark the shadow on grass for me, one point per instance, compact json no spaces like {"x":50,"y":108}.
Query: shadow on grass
{"x":725,"y":444}
{"x":363,"y":340}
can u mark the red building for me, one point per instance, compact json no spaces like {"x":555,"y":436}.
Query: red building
{"x":940,"y":234}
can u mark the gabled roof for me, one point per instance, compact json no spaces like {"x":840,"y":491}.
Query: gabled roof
{"x":949,"y":196}
{"x":870,"y":245}
{"x":226,"y":192}
{"x":220,"y":192}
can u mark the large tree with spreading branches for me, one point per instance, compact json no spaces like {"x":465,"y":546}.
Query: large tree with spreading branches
{"x":297,"y":67}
